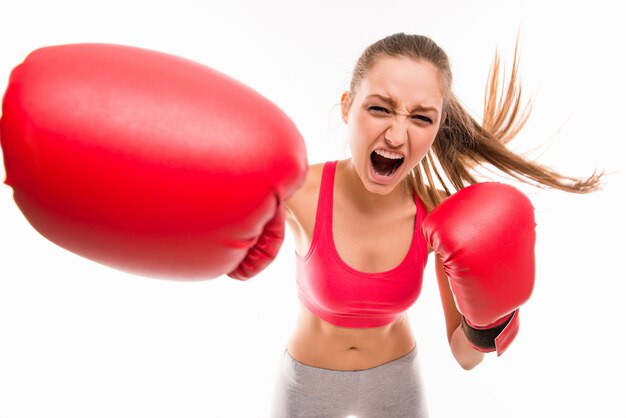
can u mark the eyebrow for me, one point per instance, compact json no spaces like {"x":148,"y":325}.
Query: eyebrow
{"x":392,"y":102}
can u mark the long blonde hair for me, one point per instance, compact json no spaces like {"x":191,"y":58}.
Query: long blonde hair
{"x":461,"y":142}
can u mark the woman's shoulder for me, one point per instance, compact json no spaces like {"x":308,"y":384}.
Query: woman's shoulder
{"x":307,"y":194}
{"x":312,"y":180}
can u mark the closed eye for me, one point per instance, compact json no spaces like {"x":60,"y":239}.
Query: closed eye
{"x":422,"y":118}
{"x":377,"y":109}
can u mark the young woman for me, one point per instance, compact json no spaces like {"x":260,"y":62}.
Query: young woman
{"x":356,"y":222}
{"x":363,"y":226}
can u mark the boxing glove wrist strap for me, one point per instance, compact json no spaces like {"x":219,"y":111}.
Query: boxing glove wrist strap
{"x":497,"y":338}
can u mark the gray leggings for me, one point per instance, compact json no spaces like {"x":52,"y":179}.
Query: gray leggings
{"x":391,"y":390}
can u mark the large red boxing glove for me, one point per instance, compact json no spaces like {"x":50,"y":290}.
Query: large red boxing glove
{"x":485,"y":235}
{"x":149,"y":163}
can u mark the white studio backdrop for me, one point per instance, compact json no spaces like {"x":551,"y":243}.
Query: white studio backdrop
{"x":81,"y":340}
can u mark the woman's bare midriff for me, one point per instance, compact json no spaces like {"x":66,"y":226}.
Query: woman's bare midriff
{"x":320,"y":344}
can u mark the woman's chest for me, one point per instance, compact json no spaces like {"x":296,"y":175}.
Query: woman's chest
{"x":372,"y":242}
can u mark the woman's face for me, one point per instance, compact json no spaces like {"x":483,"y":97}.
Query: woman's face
{"x":392,"y":120}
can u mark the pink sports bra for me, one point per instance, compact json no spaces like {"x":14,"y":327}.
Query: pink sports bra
{"x":343,"y":296}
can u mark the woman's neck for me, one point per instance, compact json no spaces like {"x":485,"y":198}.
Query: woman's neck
{"x":351,"y":187}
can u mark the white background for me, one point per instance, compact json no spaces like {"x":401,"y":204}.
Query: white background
{"x":81,"y":340}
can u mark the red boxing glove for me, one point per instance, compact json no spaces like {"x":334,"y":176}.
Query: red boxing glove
{"x":149,"y":163}
{"x":485,"y":235}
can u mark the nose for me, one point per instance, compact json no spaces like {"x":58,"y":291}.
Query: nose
{"x":398,"y":132}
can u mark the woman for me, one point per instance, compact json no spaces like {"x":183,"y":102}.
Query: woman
{"x":363,"y":226}
{"x":356,"y":222}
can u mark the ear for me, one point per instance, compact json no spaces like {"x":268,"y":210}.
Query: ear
{"x":345,"y":106}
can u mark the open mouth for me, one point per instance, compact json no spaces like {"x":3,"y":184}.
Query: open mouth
{"x":386,"y":163}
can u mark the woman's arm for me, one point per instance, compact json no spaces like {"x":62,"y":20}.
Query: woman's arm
{"x":301,"y":208}
{"x":463,"y":352}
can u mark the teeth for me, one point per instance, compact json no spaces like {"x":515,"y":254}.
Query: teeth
{"x":389,"y":154}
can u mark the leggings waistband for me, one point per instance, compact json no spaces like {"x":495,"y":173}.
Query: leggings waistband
{"x":407,"y":358}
